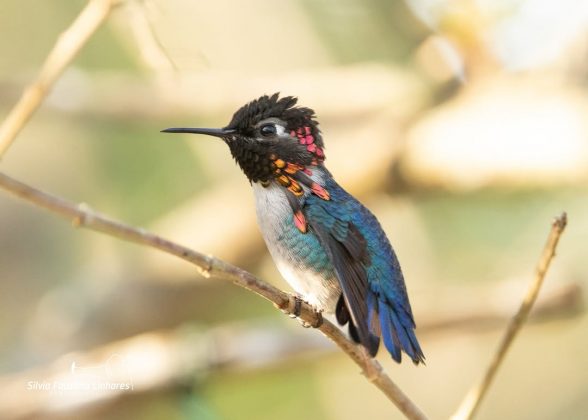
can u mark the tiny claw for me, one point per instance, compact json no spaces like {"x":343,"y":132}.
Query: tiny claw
{"x":318,"y":321}
{"x":295,"y":305}
{"x":293,"y":308}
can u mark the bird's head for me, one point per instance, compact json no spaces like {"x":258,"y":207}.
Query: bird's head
{"x":271,"y":139}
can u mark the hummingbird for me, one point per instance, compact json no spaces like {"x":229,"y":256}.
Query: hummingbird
{"x":325,"y":243}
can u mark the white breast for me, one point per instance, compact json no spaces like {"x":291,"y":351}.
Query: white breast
{"x":273,"y":211}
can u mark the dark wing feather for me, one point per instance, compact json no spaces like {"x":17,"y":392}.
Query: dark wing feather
{"x":346,"y":249}
{"x":374,"y":300}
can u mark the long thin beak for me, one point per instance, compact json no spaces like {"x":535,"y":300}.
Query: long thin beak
{"x":216,"y":132}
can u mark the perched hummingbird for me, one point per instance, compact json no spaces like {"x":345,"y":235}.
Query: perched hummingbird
{"x":326,"y":244}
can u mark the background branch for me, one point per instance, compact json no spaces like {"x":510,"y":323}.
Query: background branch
{"x":208,"y":266}
{"x":148,"y":43}
{"x":69,"y":43}
{"x":473,"y":398}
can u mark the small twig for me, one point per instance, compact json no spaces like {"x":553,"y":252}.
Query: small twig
{"x":149,"y":45}
{"x":82,"y":216}
{"x":69,"y":43}
{"x":473,"y":398}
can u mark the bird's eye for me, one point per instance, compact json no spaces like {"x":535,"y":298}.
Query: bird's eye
{"x":267,"y":130}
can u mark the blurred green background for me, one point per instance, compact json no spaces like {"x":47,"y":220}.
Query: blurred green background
{"x":461,"y":124}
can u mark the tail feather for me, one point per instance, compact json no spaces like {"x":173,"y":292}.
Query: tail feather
{"x":407,"y":338}
{"x":389,"y":335}
{"x":395,"y":327}
{"x":399,"y":334}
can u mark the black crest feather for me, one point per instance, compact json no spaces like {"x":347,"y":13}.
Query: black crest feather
{"x":273,"y":106}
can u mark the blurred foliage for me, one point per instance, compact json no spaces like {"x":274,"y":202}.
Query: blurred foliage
{"x":136,"y":166}
{"x":32,"y":28}
{"x":371,"y":24}
{"x":483,"y":232}
{"x":296,"y":393}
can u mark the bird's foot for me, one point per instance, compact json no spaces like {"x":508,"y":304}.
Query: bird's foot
{"x":293,"y":308}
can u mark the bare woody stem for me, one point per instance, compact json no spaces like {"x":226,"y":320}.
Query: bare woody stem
{"x":82,"y":216}
{"x":473,"y":398}
{"x":66,"y":48}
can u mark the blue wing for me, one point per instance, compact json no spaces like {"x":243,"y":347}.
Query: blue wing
{"x":375,"y":301}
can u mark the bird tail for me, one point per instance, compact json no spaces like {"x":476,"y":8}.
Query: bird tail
{"x":395,"y":326}
{"x":398,"y":332}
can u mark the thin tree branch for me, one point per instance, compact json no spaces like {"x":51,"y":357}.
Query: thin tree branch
{"x":148,"y":43}
{"x":69,"y":43}
{"x":81,"y":216}
{"x":473,"y":398}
